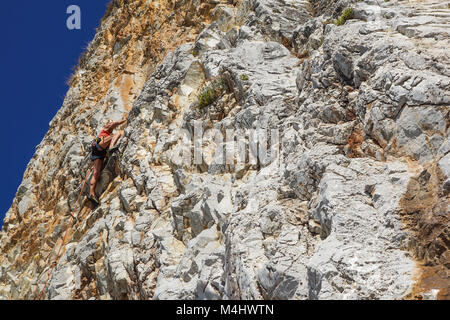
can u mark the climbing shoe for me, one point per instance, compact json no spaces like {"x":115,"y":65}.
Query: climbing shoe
{"x":94,"y":200}
{"x":111,"y":151}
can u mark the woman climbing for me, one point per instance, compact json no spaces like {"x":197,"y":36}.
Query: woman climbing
{"x":106,"y":140}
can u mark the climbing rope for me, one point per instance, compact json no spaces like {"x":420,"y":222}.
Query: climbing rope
{"x":65,"y":235}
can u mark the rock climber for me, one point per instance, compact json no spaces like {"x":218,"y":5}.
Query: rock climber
{"x":105,"y":143}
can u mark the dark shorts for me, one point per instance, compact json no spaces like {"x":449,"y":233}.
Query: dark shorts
{"x":97,"y":152}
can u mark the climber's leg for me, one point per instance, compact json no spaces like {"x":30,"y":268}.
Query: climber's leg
{"x":114,"y":140}
{"x":95,"y":176}
{"x":106,"y":142}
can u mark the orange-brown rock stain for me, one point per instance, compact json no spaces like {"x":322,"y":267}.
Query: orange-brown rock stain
{"x":354,"y":143}
{"x":425,"y":213}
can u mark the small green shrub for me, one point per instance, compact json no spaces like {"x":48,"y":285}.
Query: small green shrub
{"x":210,"y":93}
{"x":346,"y":15}
{"x":244,"y":77}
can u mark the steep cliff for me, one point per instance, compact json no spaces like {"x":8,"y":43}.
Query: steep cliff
{"x":350,"y":201}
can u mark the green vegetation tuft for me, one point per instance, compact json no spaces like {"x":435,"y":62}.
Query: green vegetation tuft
{"x":346,"y":15}
{"x":244,"y":77}
{"x":210,"y":93}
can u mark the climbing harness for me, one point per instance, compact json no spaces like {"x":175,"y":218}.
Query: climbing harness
{"x":97,"y":152}
{"x":65,"y":235}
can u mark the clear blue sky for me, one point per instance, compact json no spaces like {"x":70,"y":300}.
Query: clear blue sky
{"x":37,"y":53}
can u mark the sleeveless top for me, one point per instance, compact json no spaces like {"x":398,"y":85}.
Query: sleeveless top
{"x":104,"y":134}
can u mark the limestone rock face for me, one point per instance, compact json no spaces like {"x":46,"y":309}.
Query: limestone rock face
{"x":349,"y":200}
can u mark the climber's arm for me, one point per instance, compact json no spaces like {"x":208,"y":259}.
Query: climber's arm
{"x":116,"y":124}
